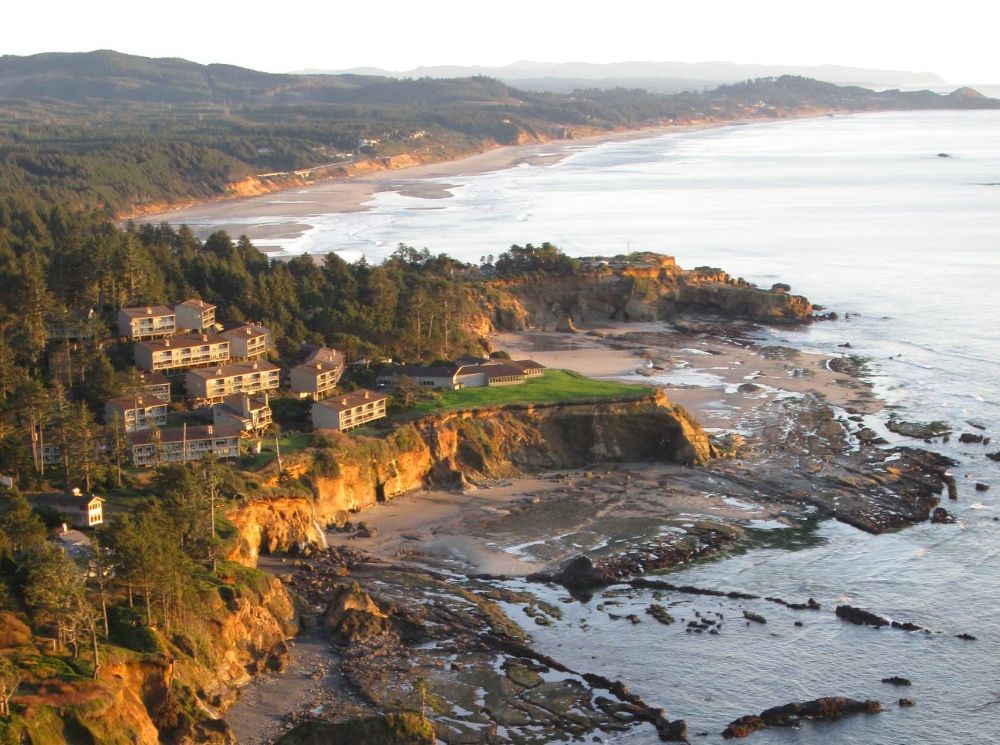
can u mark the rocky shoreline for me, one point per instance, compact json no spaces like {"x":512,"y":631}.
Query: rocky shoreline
{"x":434,"y":621}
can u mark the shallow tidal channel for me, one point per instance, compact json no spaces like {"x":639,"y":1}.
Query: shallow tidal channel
{"x":942,"y":581}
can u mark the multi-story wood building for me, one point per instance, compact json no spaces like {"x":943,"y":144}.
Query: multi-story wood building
{"x":147,"y":322}
{"x":251,"y":415}
{"x":213,"y":383}
{"x":318,"y":375}
{"x":349,"y":410}
{"x":250,"y":342}
{"x":195,"y":315}
{"x":155,"y":384}
{"x":181,"y":352}
{"x":183,"y":444}
{"x":137,"y":412}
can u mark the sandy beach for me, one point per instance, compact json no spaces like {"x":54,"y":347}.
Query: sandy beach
{"x":284,"y":214}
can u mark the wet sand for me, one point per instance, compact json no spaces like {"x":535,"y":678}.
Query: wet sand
{"x":284,"y":214}
{"x":701,"y":372}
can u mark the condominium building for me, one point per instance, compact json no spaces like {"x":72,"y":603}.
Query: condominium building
{"x":183,"y":444}
{"x":318,"y":375}
{"x":137,"y":412}
{"x":147,"y":322}
{"x":212,"y":383}
{"x":252,"y":416}
{"x":349,"y":410}
{"x":195,"y":315}
{"x":181,"y":352}
{"x":155,"y":384}
{"x":248,"y":342}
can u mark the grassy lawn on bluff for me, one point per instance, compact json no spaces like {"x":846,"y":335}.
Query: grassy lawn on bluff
{"x":555,"y":386}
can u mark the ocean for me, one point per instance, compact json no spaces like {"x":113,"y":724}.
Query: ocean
{"x":893,"y":221}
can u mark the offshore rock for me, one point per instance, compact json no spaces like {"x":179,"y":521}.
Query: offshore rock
{"x":831,"y":707}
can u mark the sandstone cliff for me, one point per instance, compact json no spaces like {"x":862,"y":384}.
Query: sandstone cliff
{"x":174,"y":690}
{"x":648,"y":287}
{"x":458,"y":448}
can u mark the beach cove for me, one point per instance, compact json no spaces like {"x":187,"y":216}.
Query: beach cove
{"x":810,"y":212}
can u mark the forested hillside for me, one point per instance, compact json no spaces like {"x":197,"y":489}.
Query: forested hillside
{"x":108,"y":131}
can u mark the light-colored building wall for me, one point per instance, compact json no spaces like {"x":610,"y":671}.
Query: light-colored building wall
{"x":181,"y":352}
{"x":248,"y":342}
{"x":138,"y":413}
{"x":175,"y":445}
{"x":250,"y":416}
{"x":240,"y":377}
{"x":348,"y":411}
{"x":149,"y":322}
{"x":195,"y":315}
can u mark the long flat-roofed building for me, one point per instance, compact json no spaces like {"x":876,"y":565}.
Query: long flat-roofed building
{"x":137,"y":412}
{"x":195,"y":315}
{"x":147,"y":322}
{"x":318,"y":375}
{"x":183,"y":444}
{"x":212,"y":383}
{"x":251,"y":415}
{"x":248,"y":342}
{"x":348,"y":410}
{"x":181,"y":352}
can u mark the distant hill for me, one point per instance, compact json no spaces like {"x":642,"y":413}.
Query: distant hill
{"x":664,"y":77}
{"x":121,"y":133}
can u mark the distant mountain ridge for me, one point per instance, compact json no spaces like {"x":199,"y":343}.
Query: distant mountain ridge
{"x":129,"y":134}
{"x":650,"y":75}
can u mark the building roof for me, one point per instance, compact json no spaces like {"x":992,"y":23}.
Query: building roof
{"x":234,"y":368}
{"x":150,"y":377}
{"x":127,"y":403}
{"x":177,"y":434}
{"x":183,"y":341}
{"x":148,"y":311}
{"x":234,"y":402}
{"x":70,"y":538}
{"x":250,"y":331}
{"x":324,"y":354}
{"x":526,"y":364}
{"x":421,"y":371}
{"x":61,"y":500}
{"x":352,"y":399}
{"x":500,"y":370}
{"x":199,"y":305}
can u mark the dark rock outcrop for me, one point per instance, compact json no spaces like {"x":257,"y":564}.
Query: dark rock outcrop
{"x":831,"y":707}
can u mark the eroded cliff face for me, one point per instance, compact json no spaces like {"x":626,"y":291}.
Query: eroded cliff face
{"x":459,"y":448}
{"x":178,"y":693}
{"x":654,"y":288}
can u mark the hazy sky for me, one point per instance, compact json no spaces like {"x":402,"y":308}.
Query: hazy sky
{"x":955,"y":39}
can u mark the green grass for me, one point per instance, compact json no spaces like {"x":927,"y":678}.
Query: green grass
{"x":290,"y":443}
{"x":554,"y":387}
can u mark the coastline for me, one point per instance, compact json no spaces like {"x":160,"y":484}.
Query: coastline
{"x":280,"y":213}
{"x":483,"y":542}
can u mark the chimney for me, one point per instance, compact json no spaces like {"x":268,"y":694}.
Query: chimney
{"x":343,"y":402}
{"x":255,"y":366}
{"x":149,"y":311}
{"x":65,"y":528}
{"x":368,"y":394}
{"x":211,"y":429}
{"x":204,"y":337}
{"x":245,"y":402}
{"x":166,"y":342}
{"x":76,"y":491}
